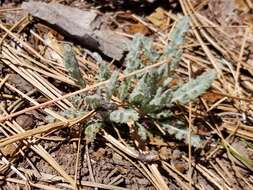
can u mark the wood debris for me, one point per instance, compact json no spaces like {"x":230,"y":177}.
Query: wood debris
{"x":85,"y":27}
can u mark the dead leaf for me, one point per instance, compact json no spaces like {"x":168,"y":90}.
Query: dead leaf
{"x":212,"y":97}
{"x":57,"y":51}
{"x":165,"y":153}
{"x":181,"y":166}
{"x":159,"y":18}
{"x":137,"y":28}
{"x":157,"y":140}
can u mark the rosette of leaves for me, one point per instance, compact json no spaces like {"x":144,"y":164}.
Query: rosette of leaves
{"x":147,"y":94}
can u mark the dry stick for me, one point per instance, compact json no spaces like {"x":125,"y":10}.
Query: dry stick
{"x":10,"y":164}
{"x":219,"y":47}
{"x":228,"y":147}
{"x":150,"y":27}
{"x":89,"y":165}
{"x":211,"y":24}
{"x":84,"y":183}
{"x":209,"y":175}
{"x":201,"y":5}
{"x":15,"y":105}
{"x":180,"y":174}
{"x":213,"y":152}
{"x":58,"y":53}
{"x":119,"y":151}
{"x":116,"y":180}
{"x":51,"y":112}
{"x":233,"y":55}
{"x":77,"y":157}
{"x":51,"y":87}
{"x":158,"y":176}
{"x":189,"y":134}
{"x":219,"y":171}
{"x":237,"y":173}
{"x":37,"y":69}
{"x":237,"y":75}
{"x":57,"y":179}
{"x":27,"y":46}
{"x":39,"y":149}
{"x":43,"y":129}
{"x":10,"y":9}
{"x":11,"y":131}
{"x":234,"y":97}
{"x":4,"y":80}
{"x":46,"y":44}
{"x":21,"y":42}
{"x":208,"y":37}
{"x":225,"y":169}
{"x":42,"y":87}
{"x":120,"y":147}
{"x":29,"y":77}
{"x":216,"y":104}
{"x":13,"y":27}
{"x":239,"y":132}
{"x":155,"y":178}
{"x":178,"y":180}
{"x":205,"y":48}
{"x":250,"y":3}
{"x":3,"y":118}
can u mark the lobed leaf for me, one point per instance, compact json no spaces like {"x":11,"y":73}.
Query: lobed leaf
{"x":182,"y":134}
{"x":71,"y":65}
{"x":194,"y":88}
{"x":91,"y":131}
{"x":124,"y":115}
{"x":111,"y":85}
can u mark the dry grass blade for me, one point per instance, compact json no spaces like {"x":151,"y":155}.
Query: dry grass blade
{"x":205,"y":48}
{"x":137,"y":133}
{"x":154,"y":174}
{"x":88,"y":184}
{"x":44,"y":129}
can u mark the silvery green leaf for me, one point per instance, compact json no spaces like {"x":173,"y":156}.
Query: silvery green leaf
{"x":142,"y":132}
{"x":182,"y":134}
{"x":177,"y":35}
{"x":111,"y":85}
{"x":123,"y":89}
{"x":161,"y":114}
{"x":71,"y":65}
{"x":194,"y":88}
{"x":144,"y":90}
{"x":124,"y":115}
{"x":140,"y":92}
{"x":167,"y":81}
{"x":175,"y":60}
{"x":104,"y":72}
{"x":160,"y":100}
{"x":94,"y":101}
{"x":140,"y":45}
{"x":91,"y":131}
